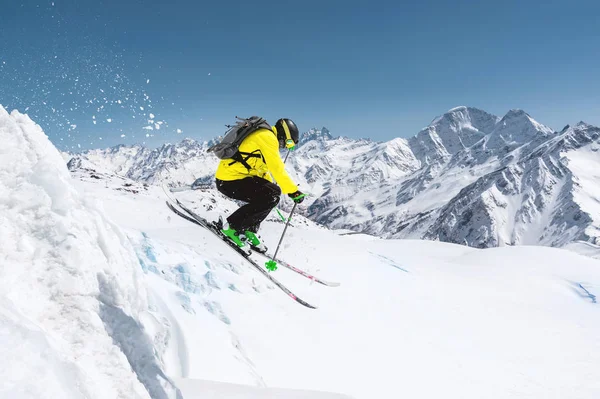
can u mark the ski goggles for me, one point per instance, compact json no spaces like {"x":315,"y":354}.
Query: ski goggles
{"x":289,"y":144}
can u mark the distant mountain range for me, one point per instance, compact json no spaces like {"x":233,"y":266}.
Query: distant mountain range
{"x":470,"y":177}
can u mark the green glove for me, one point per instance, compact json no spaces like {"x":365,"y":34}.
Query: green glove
{"x":297,"y":197}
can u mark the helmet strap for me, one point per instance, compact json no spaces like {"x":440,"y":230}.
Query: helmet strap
{"x":288,"y":136}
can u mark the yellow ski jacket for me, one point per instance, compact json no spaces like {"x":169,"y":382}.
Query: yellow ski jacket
{"x":264,"y":146}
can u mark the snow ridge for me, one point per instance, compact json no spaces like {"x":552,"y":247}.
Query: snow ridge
{"x":65,"y":269}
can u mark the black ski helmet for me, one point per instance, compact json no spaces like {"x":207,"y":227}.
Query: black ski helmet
{"x":286,"y":130}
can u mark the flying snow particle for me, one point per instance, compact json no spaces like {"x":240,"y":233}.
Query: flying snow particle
{"x":147,"y":134}
{"x":122,"y":135}
{"x":147,"y":81}
{"x":142,"y":108}
{"x":179,"y":131}
{"x":151,"y":116}
{"x":109,"y":120}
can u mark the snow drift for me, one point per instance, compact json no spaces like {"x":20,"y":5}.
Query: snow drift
{"x":70,"y":288}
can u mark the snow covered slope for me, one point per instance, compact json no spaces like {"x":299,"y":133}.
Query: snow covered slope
{"x":71,"y":290}
{"x":468,"y":178}
{"x":520,"y":321}
{"x":534,"y":198}
{"x":198,"y":389}
{"x":139,"y":301}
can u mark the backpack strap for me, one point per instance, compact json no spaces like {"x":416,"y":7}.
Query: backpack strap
{"x":239,"y":157}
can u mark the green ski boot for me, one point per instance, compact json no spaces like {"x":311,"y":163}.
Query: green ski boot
{"x":255,"y":242}
{"x":234,"y":236}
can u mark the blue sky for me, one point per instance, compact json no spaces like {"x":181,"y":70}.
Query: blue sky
{"x":361,"y":68}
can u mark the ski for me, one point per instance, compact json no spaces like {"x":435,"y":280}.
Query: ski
{"x":200,"y":221}
{"x":301,"y":272}
{"x":279,"y":261}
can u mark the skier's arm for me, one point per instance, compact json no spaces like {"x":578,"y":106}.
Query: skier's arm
{"x":269,"y":147}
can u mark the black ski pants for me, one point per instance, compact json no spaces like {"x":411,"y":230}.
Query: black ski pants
{"x":260,"y":195}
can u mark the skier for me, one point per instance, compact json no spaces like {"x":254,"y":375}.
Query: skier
{"x":249,"y":178}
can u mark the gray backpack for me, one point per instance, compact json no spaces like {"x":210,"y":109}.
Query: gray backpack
{"x":228,"y":148}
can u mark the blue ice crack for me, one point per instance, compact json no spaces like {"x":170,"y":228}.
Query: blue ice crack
{"x":588,"y":294}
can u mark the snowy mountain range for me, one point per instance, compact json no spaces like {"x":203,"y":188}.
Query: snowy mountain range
{"x":470,"y":177}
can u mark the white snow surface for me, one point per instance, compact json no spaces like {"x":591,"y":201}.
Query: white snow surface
{"x":199,"y":389}
{"x":65,"y":270}
{"x":105,"y":293}
{"x":585,"y":165}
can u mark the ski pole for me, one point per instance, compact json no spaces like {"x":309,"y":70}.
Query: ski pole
{"x":271,"y":264}
{"x":280,"y":215}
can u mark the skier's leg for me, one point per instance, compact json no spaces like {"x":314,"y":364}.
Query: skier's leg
{"x":260,"y":195}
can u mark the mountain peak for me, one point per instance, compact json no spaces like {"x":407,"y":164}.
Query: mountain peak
{"x":463,"y":114}
{"x":516,"y":113}
{"x":459,"y":108}
{"x":521,"y":117}
{"x":188,"y":141}
{"x":459,"y":128}
{"x":316,"y":134}
{"x":517,"y":127}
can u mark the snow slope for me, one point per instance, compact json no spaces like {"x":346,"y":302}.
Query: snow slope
{"x":198,"y":389}
{"x":516,"y":321}
{"x":71,"y":290}
{"x":411,"y":318}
